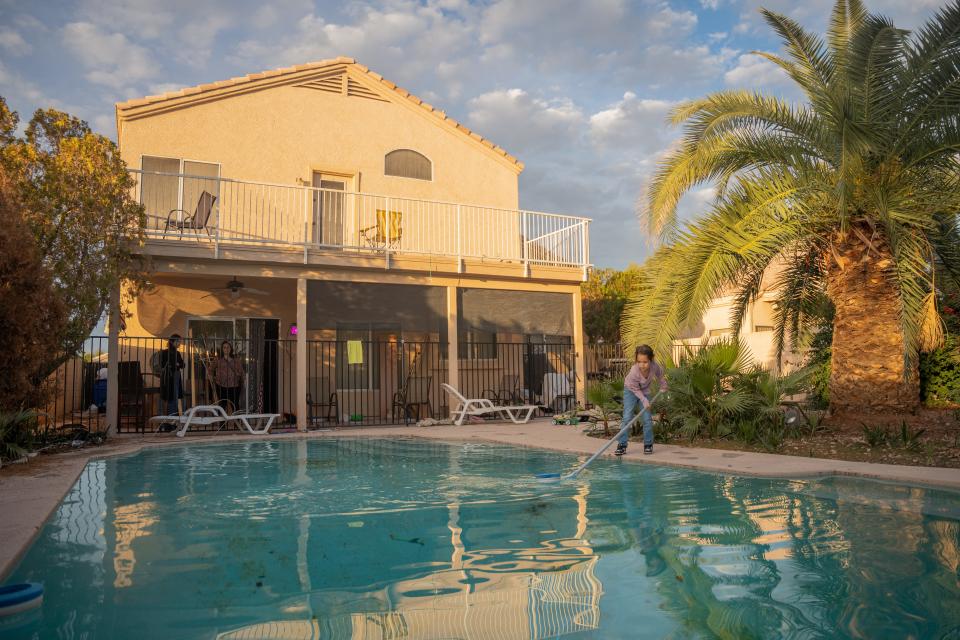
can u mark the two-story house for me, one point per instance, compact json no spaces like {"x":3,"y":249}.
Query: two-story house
{"x":356,"y":245}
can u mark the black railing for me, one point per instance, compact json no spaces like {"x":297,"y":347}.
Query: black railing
{"x":520,"y":373}
{"x":78,"y":389}
{"x":348,"y":382}
{"x":374,"y":382}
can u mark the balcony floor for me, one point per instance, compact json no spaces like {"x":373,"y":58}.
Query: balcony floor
{"x":173,"y":249}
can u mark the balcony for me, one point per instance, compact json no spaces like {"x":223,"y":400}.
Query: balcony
{"x":221,"y":214}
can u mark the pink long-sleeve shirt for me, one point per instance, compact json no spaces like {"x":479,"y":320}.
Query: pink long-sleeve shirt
{"x":640,"y":386}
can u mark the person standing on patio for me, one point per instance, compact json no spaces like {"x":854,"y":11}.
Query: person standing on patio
{"x":228,"y":376}
{"x":171,"y":385}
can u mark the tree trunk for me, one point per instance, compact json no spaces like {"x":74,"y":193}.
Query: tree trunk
{"x":868,"y":370}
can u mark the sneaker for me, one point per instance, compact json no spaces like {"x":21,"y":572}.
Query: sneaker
{"x":647,"y":448}
{"x":621,"y":449}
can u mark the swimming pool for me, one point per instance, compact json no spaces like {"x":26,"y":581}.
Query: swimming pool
{"x":364,"y":538}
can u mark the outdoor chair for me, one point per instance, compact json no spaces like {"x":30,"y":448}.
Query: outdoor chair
{"x":196,"y":222}
{"x":416,"y":393}
{"x":508,"y":392}
{"x":518,"y":414}
{"x":132,"y":392}
{"x":559,"y":391}
{"x":321,"y":395}
{"x":379,"y":235}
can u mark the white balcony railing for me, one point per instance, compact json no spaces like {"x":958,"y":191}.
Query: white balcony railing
{"x":259,"y":213}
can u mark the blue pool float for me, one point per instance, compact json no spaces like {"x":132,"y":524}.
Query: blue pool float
{"x":15,"y":598}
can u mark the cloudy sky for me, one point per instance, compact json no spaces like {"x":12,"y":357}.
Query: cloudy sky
{"x":577,"y":89}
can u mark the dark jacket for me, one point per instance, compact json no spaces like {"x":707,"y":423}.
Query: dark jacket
{"x":171,"y":362}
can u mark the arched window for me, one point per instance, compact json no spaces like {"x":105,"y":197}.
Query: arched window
{"x":407,"y":163}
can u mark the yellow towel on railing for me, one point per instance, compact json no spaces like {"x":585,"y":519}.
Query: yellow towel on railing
{"x":354,"y":352}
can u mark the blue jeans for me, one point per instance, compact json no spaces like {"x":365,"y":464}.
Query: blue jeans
{"x":630,"y":405}
{"x":172,"y":402}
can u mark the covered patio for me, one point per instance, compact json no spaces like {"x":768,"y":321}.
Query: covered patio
{"x":325,"y":352}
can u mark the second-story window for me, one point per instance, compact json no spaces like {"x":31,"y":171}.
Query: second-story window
{"x":407,"y":163}
{"x":174,"y":183}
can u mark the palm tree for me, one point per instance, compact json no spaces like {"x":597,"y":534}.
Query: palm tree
{"x":852,"y":194}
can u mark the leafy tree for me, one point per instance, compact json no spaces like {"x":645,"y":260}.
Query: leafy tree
{"x":604,"y":296}
{"x":855,"y":191}
{"x":76,"y":198}
{"x":31,"y":315}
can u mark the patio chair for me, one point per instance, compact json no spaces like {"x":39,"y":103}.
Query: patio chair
{"x":416,"y":393}
{"x":132,"y":392}
{"x":321,"y":395}
{"x":559,"y":391}
{"x":508,"y":391}
{"x":518,"y":414}
{"x":379,"y":235}
{"x":196,"y":222}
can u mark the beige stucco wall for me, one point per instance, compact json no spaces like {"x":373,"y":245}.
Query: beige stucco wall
{"x":283,"y":134}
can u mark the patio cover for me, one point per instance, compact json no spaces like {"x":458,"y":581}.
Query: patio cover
{"x":526,"y":312}
{"x":414,"y":307}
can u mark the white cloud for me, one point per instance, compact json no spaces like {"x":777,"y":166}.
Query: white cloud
{"x":632,"y":122}
{"x":164,"y":87}
{"x":754,"y":72}
{"x":16,"y":88}
{"x":105,"y":124}
{"x":517,"y":120}
{"x":13,"y":43}
{"x":113,"y":60}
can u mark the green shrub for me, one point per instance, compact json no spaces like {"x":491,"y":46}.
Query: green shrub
{"x":940,"y":374}
{"x":605,"y":396}
{"x":717,"y":393}
{"x":875,"y":436}
{"x":17,"y":434}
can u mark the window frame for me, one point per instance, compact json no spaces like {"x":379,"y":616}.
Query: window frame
{"x":422,"y":155}
{"x":180,"y":174}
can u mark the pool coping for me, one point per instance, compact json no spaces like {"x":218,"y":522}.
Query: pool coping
{"x":29,"y":493}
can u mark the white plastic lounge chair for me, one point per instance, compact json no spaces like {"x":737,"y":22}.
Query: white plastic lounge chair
{"x":195,"y":416}
{"x":217,"y":415}
{"x":518,"y":414}
{"x":247,"y":420}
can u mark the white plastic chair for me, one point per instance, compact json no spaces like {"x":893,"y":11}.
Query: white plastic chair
{"x":518,"y":414}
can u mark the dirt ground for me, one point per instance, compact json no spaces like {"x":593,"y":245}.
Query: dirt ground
{"x":844,"y":439}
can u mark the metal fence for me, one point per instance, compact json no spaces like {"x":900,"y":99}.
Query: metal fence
{"x":78,"y":389}
{"x":349,"y":382}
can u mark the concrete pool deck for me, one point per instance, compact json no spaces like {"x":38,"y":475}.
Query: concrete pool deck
{"x":30,"y":492}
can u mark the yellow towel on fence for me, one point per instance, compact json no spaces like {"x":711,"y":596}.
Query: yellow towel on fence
{"x":354,"y":352}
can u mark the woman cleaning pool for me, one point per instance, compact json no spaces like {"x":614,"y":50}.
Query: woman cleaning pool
{"x":641,"y":385}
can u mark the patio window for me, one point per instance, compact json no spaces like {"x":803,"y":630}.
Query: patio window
{"x":363,"y":352}
{"x":478,"y":345}
{"x":407,"y":163}
{"x":175,"y":183}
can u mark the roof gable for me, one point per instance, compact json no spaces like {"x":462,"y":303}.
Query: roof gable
{"x":344,"y":76}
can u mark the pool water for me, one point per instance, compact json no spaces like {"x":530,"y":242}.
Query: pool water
{"x":361,"y":538}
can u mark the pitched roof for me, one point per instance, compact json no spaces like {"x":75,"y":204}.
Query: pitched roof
{"x":140,"y":107}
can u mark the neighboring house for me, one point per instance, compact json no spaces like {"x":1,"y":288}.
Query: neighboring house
{"x":358,"y":245}
{"x":757,"y":332}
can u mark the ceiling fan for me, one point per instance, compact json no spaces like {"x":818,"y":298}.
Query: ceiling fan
{"x":234,"y":287}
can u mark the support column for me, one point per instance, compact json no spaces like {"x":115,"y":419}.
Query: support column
{"x":113,"y":362}
{"x":453,"y":340}
{"x":301,"y":354}
{"x":579,"y":356}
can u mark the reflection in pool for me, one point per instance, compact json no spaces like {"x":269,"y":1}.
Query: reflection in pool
{"x":357,"y":538}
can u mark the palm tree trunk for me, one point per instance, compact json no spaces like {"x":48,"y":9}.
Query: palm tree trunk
{"x":868,"y":370}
